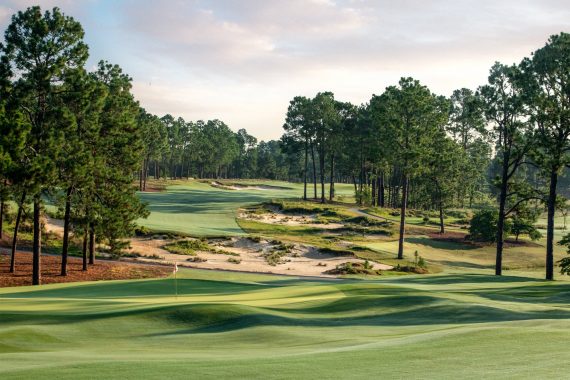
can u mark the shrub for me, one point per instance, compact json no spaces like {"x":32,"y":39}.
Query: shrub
{"x":483,"y":226}
{"x":233,"y":260}
{"x":524,"y":224}
{"x":422,"y":263}
{"x":187,"y":247}
{"x":426,"y":219}
{"x":196,"y":259}
{"x":142,"y":231}
{"x":153,"y":256}
{"x":565,"y":262}
{"x":353,"y":268}
{"x":457,"y":214}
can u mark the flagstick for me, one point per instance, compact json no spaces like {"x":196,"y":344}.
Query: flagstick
{"x":175,"y":280}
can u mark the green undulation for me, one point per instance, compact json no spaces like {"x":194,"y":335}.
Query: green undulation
{"x":231,"y":325}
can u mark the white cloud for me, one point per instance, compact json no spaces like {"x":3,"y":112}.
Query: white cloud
{"x":242,"y":61}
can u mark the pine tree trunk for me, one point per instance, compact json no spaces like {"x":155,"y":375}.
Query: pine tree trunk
{"x":381,"y":189}
{"x":306,"y":168}
{"x":145,"y":173}
{"x":501,"y":221}
{"x":354,"y":182}
{"x":331,"y":189}
{"x":1,"y":217}
{"x":66,"y":220}
{"x":441,"y":225}
{"x":141,"y":177}
{"x":373,"y":197}
{"x":84,"y":248}
{"x":322,"y":168}
{"x":37,"y":243}
{"x":15,"y":237}
{"x":91,"y":245}
{"x":403,"y":217}
{"x":314,"y":170}
{"x":550,"y":225}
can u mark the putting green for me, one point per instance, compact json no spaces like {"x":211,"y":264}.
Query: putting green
{"x":229,"y":325}
{"x":198,"y":209}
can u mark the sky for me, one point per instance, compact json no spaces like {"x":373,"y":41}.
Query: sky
{"x":243,"y":61}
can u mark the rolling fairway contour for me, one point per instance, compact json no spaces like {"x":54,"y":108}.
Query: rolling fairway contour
{"x":258,"y":326}
{"x":198,"y":209}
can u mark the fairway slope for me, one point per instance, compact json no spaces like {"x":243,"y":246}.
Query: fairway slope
{"x":269,"y":327}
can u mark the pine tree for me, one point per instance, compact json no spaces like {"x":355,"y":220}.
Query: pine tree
{"x":39,"y":50}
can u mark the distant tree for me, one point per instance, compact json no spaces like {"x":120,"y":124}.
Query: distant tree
{"x":412,"y":117}
{"x":548,"y":84}
{"x":467,"y":122}
{"x":445,"y":165}
{"x":504,"y":109}
{"x":325,"y":119}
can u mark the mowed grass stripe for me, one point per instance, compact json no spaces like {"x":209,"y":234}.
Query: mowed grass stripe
{"x":273,"y":327}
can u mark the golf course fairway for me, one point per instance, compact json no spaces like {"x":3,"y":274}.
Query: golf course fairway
{"x":240,"y":325}
{"x":198,"y":209}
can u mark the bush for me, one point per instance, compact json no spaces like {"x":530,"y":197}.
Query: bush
{"x":354,"y":268}
{"x":426,"y":219}
{"x":565,"y":262}
{"x":142,"y":231}
{"x":196,"y":259}
{"x":457,"y":214}
{"x":187,"y":247}
{"x":422,"y":263}
{"x":233,"y":260}
{"x":524,"y":224}
{"x":483,"y":226}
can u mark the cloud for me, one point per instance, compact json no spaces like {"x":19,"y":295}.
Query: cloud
{"x":242,"y":61}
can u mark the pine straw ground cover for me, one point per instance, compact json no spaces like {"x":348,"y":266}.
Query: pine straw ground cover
{"x":101,"y":270}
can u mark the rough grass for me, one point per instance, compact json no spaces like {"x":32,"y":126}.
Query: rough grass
{"x":230,"y":325}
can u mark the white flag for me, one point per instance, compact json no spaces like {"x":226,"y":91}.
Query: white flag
{"x":175,"y":268}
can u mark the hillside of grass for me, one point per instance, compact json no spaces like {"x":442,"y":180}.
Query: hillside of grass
{"x":258,"y":326}
{"x":199,"y":209}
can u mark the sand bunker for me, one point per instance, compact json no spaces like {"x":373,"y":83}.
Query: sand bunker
{"x":301,"y":260}
{"x":236,"y":186}
{"x":276,"y":217}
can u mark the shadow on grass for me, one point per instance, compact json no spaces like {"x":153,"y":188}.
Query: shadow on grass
{"x":462,"y":279}
{"x":462,"y":264}
{"x":382,"y":313}
{"x":439,"y":244}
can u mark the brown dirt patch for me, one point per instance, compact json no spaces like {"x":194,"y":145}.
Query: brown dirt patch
{"x":102,"y":270}
{"x":459,"y":237}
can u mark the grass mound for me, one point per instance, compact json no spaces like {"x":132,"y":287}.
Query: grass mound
{"x":236,"y":325}
{"x":354,"y":268}
{"x":187,"y":247}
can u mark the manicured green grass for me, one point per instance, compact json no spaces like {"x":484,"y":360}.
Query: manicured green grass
{"x":230,"y":325}
{"x":198,"y":209}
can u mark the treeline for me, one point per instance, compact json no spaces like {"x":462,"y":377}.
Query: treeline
{"x":509,"y":139}
{"x":66,"y":134}
{"x":175,"y":148}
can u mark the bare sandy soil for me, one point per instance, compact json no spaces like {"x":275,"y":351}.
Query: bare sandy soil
{"x":54,"y":225}
{"x":303,"y":260}
{"x":276,"y":217}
